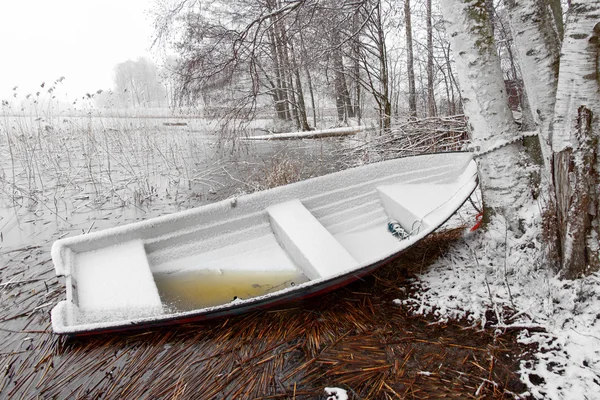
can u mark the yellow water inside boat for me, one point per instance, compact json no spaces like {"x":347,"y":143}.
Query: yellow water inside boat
{"x":186,"y":291}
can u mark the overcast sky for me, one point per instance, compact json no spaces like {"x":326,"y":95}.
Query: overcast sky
{"x":82,"y":40}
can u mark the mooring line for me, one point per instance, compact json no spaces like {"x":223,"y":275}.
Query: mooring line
{"x":506,"y":143}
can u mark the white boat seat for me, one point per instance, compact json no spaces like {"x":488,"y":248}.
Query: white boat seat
{"x":307,"y":242}
{"x":412,"y":204}
{"x":116,"y":279}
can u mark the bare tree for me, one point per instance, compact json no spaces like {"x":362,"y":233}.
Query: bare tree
{"x":412,"y":95}
{"x":503,"y":182}
{"x":374,"y":61}
{"x":430,"y":92}
{"x":137,"y":83}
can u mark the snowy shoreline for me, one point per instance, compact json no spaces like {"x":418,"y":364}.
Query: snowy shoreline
{"x":495,"y":271}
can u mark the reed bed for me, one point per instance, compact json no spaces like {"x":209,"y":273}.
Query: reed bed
{"x":355,"y":338}
{"x":45,"y":160}
{"x":72,"y":175}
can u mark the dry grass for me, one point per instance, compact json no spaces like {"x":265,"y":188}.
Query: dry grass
{"x":108,"y":160}
{"x":354,"y":338}
{"x":279,"y":171}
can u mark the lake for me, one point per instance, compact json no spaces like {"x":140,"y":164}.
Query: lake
{"x":74,"y":175}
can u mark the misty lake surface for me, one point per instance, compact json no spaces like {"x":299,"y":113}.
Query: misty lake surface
{"x":66,"y":176}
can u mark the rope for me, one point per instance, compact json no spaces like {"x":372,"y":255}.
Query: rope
{"x":473,"y":204}
{"x":506,"y":143}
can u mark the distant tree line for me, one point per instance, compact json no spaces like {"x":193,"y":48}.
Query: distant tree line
{"x":138,"y":84}
{"x":291,"y":51}
{"x":359,"y":56}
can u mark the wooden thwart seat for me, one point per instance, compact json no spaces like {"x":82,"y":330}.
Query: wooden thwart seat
{"x":413,"y":204}
{"x":116,"y":278}
{"x":307,"y":242}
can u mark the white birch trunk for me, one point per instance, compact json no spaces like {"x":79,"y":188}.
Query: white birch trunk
{"x":503,"y":183}
{"x":578,"y":81}
{"x":575,"y":139}
{"x":537,"y":46}
{"x":538,"y":51}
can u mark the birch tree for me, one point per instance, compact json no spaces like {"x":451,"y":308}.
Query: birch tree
{"x":575,"y":138}
{"x":538,"y":48}
{"x":564,"y":92}
{"x":503,"y":182}
{"x":563,"y":87}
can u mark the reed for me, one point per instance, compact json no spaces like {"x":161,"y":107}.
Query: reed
{"x":54,"y":169}
{"x":355,"y":338}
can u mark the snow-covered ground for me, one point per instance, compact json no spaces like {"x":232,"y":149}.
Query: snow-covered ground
{"x":495,"y":279}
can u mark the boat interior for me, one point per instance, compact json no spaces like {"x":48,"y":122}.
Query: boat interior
{"x":255,"y":250}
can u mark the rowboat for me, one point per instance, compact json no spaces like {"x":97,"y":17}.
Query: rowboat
{"x":258,"y":250}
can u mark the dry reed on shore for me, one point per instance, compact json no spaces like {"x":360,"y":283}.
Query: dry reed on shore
{"x":354,"y":338}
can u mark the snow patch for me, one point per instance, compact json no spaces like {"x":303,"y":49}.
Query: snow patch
{"x":497,"y":272}
{"x":334,"y":393}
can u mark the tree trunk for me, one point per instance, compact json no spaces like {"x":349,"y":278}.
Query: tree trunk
{"x":342,"y":96}
{"x":312,"y":96}
{"x":278,"y":95}
{"x":452,"y":108}
{"x":503,"y":182}
{"x":556,"y":8}
{"x":430,"y":92}
{"x":491,"y":10}
{"x":576,"y":181}
{"x":356,"y":54}
{"x":538,"y":49}
{"x":309,"y":81}
{"x":575,"y":137}
{"x":288,"y":71}
{"x":386,"y":110}
{"x":293,"y":102}
{"x":301,"y":107}
{"x":412,"y":94}
{"x":283,"y":69}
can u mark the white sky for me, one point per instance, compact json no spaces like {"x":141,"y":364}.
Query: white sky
{"x":82,"y":40}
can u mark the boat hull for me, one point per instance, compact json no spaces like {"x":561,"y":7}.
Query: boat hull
{"x":333,"y":229}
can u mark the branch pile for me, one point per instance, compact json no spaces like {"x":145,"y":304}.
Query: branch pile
{"x":428,"y":135}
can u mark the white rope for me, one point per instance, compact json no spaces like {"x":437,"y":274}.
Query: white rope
{"x":506,"y":143}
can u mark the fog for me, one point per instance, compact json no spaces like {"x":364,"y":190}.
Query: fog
{"x":82,"y":41}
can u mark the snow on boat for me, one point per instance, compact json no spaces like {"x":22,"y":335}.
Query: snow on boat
{"x":257,"y":250}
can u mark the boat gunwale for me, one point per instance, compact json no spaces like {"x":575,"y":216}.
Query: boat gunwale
{"x":302,"y":291}
{"x":216,"y":206}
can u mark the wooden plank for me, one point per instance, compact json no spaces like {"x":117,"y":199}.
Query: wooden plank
{"x":307,"y":242}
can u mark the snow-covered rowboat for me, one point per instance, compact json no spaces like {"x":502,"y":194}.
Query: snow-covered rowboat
{"x":257,"y":250}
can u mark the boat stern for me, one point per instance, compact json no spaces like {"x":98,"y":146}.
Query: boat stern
{"x":103,"y":285}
